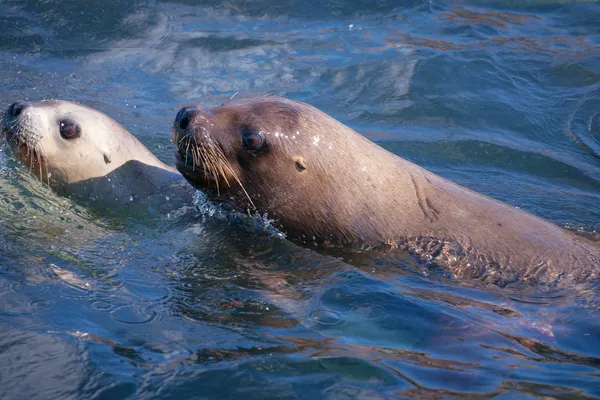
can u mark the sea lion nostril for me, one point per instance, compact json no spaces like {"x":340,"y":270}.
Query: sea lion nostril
{"x":184,"y":122}
{"x":16,"y":108}
{"x":181,"y":112}
{"x":191,"y":115}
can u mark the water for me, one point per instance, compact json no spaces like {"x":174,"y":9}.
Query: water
{"x":501,"y":97}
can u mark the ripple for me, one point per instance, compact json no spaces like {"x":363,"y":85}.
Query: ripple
{"x":101,"y":305}
{"x":133,"y":315}
{"x":326,"y":317}
{"x":39,"y":304}
{"x":584,"y":124}
{"x":13,"y":305}
{"x":20,"y":288}
{"x":110,"y":302}
{"x":147,"y":290}
{"x":18,"y":298}
{"x":594,"y":127}
{"x":186,"y":286}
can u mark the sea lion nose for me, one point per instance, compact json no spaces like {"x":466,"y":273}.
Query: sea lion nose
{"x":17,"y":108}
{"x":188,"y":114}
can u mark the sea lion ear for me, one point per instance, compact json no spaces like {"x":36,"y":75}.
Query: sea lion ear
{"x":300,"y":164}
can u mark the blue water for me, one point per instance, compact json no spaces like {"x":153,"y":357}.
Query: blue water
{"x":501,"y":97}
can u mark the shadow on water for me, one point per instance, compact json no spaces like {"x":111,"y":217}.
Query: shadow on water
{"x":499,"y":97}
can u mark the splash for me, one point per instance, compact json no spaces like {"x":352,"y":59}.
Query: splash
{"x":223,"y":212}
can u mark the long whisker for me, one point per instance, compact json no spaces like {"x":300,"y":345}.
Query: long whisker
{"x":218,"y":154}
{"x":200,"y":160}
{"x":214,"y":162}
{"x":47,"y":171}
{"x":221,"y":170}
{"x":186,"y":150}
{"x":210,"y":167}
{"x":213,"y":169}
{"x":182,"y":138}
{"x":240,"y":183}
{"x":39,"y":161}
{"x":196,"y":154}
{"x":30,"y":163}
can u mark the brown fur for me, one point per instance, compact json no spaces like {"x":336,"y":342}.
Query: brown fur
{"x":323,"y":182}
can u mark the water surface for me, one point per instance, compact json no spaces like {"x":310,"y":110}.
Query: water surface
{"x":501,"y":97}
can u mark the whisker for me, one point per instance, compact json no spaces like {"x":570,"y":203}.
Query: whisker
{"x":39,"y":161}
{"x":210,"y":167}
{"x":196,"y":154}
{"x":186,"y":151}
{"x":214,"y":163}
{"x":202,"y":160}
{"x":242,"y":186}
{"x":47,"y":171}
{"x":182,"y":138}
{"x":223,"y":160}
{"x":219,"y":155}
{"x":213,"y":168}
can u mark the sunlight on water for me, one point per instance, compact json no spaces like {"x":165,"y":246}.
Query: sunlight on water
{"x":500,"y":97}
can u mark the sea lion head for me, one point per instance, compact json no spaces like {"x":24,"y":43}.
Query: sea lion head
{"x":281,"y":157}
{"x":76,"y":149}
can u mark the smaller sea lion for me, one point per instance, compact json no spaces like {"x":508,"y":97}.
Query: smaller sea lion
{"x":84,"y":154}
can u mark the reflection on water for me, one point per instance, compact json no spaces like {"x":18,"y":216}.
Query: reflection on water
{"x":502,"y":98}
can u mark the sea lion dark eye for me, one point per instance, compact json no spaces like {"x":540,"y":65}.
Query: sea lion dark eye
{"x":69,"y":129}
{"x":253,"y":140}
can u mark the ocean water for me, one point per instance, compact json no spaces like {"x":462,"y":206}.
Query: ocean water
{"x":502,"y":97}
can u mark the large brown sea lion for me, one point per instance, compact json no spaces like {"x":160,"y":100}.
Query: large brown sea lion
{"x":322,"y":182}
{"x":82,"y":153}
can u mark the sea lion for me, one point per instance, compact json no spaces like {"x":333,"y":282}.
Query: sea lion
{"x":323,"y":183}
{"x":84,"y":154}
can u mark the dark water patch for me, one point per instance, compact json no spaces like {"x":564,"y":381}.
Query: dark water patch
{"x":71,"y":31}
{"x":217,"y":44}
{"x":499,"y":97}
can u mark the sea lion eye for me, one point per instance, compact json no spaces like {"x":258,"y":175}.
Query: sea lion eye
{"x":253,"y":140}
{"x":69,"y":130}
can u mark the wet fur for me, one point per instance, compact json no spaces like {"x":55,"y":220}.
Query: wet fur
{"x":105,"y":167}
{"x":356,"y":193}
